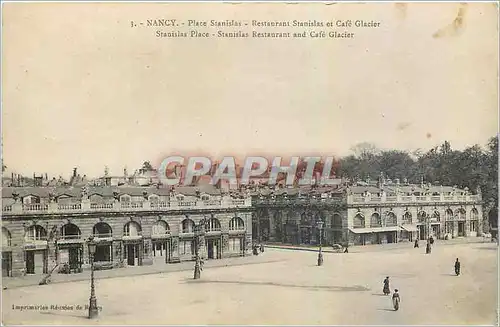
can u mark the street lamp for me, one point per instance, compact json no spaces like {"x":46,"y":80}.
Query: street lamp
{"x":320,"y":254}
{"x":93,"y":311}
{"x":199,"y":233}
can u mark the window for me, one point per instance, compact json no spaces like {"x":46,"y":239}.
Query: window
{"x":132,"y":229}
{"x":6,"y":237}
{"x":460,"y":213}
{"x":205,"y":197}
{"x":187,"y":226}
{"x":359,"y":221}
{"x":336,"y":220}
{"x":390,"y":219}
{"x":36,"y":232}
{"x":160,"y":228}
{"x":473,"y":225}
{"x":407,"y":218}
{"x":421,"y":216}
{"x":375,"y":220}
{"x":213,"y":225}
{"x":448,"y":214}
{"x":236,"y":224}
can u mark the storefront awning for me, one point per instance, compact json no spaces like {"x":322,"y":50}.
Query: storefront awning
{"x":410,"y":228}
{"x":375,"y":230}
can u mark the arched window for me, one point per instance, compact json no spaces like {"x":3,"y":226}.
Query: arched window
{"x":390,"y":219}
{"x":460,"y":213}
{"x":132,"y":229}
{"x":70,"y":232}
{"x":336,"y":221}
{"x":474,"y":217}
{"x":187,"y":226}
{"x":236,"y":224}
{"x":407,"y":217}
{"x":160,"y":228}
{"x":36,"y":233}
{"x":6,"y":237}
{"x":375,"y":220}
{"x":422,"y":215}
{"x":102,"y":230}
{"x":213,"y":225}
{"x":448,"y":214}
{"x":359,"y":221}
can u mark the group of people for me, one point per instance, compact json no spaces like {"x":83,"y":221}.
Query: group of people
{"x":428,"y":248}
{"x":395,"y":296}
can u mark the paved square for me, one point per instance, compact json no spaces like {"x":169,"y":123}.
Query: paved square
{"x":345,"y":290}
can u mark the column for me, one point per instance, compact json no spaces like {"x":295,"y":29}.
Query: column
{"x":140,"y":247}
{"x":175,"y":249}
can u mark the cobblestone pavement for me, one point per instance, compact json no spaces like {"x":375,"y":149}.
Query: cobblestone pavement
{"x":289,"y":289}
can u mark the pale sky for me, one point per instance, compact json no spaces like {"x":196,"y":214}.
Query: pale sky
{"x":81,"y":88}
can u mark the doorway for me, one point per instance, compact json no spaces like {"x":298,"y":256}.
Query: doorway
{"x":30,"y":262}
{"x":75,"y":255}
{"x":210,"y":249}
{"x":461,"y":228}
{"x":390,"y":237}
{"x":131,"y":254}
{"x":6,"y":264}
{"x":421,"y":232}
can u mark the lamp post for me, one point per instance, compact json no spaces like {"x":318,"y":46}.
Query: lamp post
{"x":93,"y":311}
{"x":199,"y":232}
{"x":320,"y":254}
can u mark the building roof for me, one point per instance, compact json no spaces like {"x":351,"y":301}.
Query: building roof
{"x":106,"y":191}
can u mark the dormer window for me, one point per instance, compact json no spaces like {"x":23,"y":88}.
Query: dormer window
{"x":180,"y":197}
{"x":205,"y":197}
{"x":125,"y":198}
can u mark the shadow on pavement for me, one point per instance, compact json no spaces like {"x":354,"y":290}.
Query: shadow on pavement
{"x":355,"y":288}
{"x":379,"y":294}
{"x":386,"y":309}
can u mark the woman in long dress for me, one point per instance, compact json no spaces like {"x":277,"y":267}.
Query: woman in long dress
{"x":395,"y":300}
{"x":387,"y":289}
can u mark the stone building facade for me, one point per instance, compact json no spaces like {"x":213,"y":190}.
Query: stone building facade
{"x":43,"y":228}
{"x":366,"y":214}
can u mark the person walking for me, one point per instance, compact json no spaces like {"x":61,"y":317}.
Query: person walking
{"x":416,"y":244}
{"x":395,"y":300}
{"x":457,"y":267}
{"x":386,"y":290}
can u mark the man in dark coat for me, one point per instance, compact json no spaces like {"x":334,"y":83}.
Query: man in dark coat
{"x":457,"y":267}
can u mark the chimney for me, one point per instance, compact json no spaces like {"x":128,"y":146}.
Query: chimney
{"x":74,"y":172}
